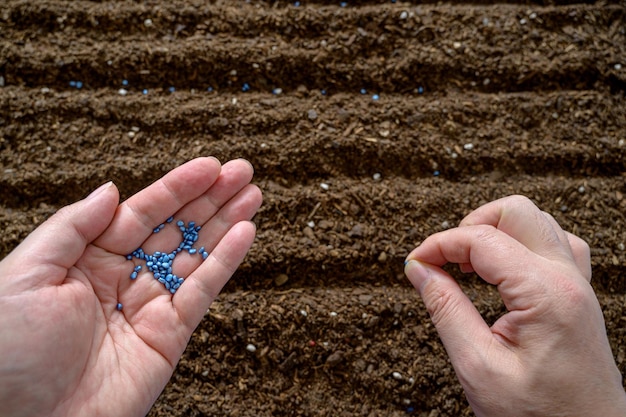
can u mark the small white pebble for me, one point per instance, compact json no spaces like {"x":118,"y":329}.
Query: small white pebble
{"x":205,"y":373}
{"x":311,"y":224}
{"x":303,"y":313}
{"x":581,"y":189}
{"x":406,"y":401}
{"x":522,"y":21}
{"x":621,"y":246}
{"x":445,"y":224}
{"x":325,"y":186}
{"x":377,"y":176}
{"x":251,"y":348}
{"x":333,"y":314}
{"x":555,"y":115}
{"x":532,"y":16}
{"x":486,"y":81}
{"x":45,"y":90}
{"x":411,"y":380}
{"x":617,"y":67}
{"x":404,"y":15}
{"x":364,"y":315}
{"x":234,"y":101}
{"x":454,"y":155}
{"x":135,"y":129}
{"x":457,"y":45}
{"x":621,"y":142}
{"x":264,"y":145}
{"x":468,"y":146}
{"x":397,"y":376}
{"x":122,"y":91}
{"x":131,"y":134}
{"x":147,"y":23}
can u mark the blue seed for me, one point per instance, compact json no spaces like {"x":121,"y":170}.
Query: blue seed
{"x":375,"y":97}
{"x":72,"y":83}
{"x":172,"y":89}
{"x":124,"y":82}
{"x":129,"y":257}
{"x":133,"y":275}
{"x":192,"y":251}
{"x":180,"y":223}
{"x":172,"y":290}
{"x":205,"y":255}
{"x":79,"y":84}
{"x":171,"y":219}
{"x":162,"y":280}
{"x":145,"y":91}
{"x":138,"y":268}
{"x":167,"y":285}
{"x":119,"y":306}
{"x":176,"y":286}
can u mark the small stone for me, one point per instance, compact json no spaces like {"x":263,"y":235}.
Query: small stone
{"x":404,"y":15}
{"x":325,"y":186}
{"x":122,"y":91}
{"x":581,"y":189}
{"x":382,"y":257}
{"x":281,"y":279}
{"x":377,"y":176}
{"x":617,"y":67}
{"x":251,"y":348}
{"x":468,"y":146}
{"x":147,"y":23}
{"x":312,"y":114}
{"x":303,"y":313}
{"x":621,"y":246}
{"x":397,"y":376}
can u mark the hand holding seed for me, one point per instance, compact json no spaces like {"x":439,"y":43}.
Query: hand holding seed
{"x":522,"y":364}
{"x":78,"y":335}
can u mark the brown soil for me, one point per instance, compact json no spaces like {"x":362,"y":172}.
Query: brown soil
{"x":525,"y":97}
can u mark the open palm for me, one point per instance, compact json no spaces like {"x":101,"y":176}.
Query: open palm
{"x":65,"y":349}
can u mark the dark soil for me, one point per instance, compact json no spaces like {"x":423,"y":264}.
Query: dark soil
{"x":476,"y":101}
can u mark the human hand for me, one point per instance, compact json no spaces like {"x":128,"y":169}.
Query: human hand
{"x":65,"y":350}
{"x":549,"y":354}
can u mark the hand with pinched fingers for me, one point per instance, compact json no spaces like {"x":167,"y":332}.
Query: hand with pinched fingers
{"x":65,"y":347}
{"x":549,"y":354}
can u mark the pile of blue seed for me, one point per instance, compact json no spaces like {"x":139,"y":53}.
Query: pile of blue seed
{"x":160,"y":263}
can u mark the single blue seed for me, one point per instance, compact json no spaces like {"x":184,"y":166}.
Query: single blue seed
{"x":171,"y":256}
{"x":129,"y":257}
{"x":79,"y":84}
{"x":133,"y":275}
{"x":192,"y":224}
{"x":323,"y":92}
{"x":167,"y":285}
{"x":192,"y":251}
{"x":145,"y":91}
{"x":176,"y":286}
{"x":210,"y":89}
{"x":436,"y":173}
{"x":161,"y":280}
{"x":156,"y":230}
{"x":181,"y":280}
{"x":172,"y":89}
{"x":119,"y":306}
{"x":375,"y":97}
{"x":205,"y":255}
{"x":420,"y":90}
{"x":245,"y":87}
{"x":171,"y":219}
{"x":172,"y":290}
{"x":157,"y":254}
{"x":363,"y":91}
{"x":180,"y":223}
{"x":169,"y":277}
{"x":72,"y":83}
{"x":124,"y":82}
{"x":138,"y":268}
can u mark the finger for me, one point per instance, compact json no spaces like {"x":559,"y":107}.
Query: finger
{"x":518,"y":217}
{"x":60,"y":241}
{"x":581,"y":254}
{"x":240,"y":208}
{"x":234,"y":176}
{"x":194,"y":297}
{"x":496,"y":257}
{"x":459,"y":324}
{"x":576,"y":248}
{"x":137,"y":217}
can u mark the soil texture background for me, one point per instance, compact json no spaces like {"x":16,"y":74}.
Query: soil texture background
{"x":370,"y":124}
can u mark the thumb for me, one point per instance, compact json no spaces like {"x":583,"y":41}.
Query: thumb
{"x":61,"y":240}
{"x":460,"y":326}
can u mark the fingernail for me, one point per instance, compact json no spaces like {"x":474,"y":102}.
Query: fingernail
{"x":417,"y":272}
{"x":99,"y":190}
